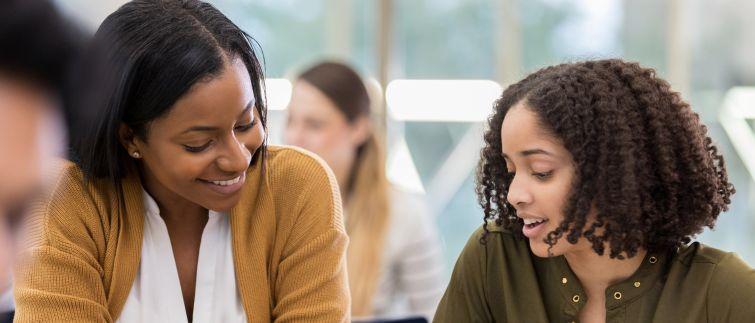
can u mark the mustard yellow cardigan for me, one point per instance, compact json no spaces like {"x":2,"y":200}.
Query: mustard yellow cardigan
{"x":289,"y":246}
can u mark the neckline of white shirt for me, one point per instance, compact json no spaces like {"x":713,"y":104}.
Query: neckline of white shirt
{"x":156,"y":294}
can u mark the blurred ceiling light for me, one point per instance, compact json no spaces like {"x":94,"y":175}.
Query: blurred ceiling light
{"x":738,"y":106}
{"x":278,"y":93}
{"x":441,"y":100}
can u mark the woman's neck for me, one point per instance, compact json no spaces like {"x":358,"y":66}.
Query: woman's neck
{"x":173,"y":208}
{"x":597,"y":272}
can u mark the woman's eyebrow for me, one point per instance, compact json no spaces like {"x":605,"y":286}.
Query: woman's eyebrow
{"x":249,"y":105}
{"x":529,"y":152}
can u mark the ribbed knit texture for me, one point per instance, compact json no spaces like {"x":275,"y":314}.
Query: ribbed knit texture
{"x":289,"y":246}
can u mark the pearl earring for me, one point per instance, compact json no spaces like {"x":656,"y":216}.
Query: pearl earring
{"x":136,"y":154}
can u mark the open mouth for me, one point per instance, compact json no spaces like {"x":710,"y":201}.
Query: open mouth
{"x":225,"y":183}
{"x":531,"y":223}
{"x":225,"y":187}
{"x":533,"y":227}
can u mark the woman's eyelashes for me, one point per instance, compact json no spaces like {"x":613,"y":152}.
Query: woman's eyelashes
{"x":239,"y":128}
{"x":245,"y":127}
{"x":540,"y":176}
{"x":198,"y":149}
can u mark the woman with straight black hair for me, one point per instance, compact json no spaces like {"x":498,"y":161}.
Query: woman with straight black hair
{"x":176,"y":210}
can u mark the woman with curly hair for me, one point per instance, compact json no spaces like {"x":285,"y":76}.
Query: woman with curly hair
{"x":593,"y":179}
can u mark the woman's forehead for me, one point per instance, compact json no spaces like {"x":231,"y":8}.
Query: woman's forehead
{"x":522,"y":132}
{"x":219,"y":100}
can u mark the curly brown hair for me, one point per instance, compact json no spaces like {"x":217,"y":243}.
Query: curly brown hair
{"x":642,"y":158}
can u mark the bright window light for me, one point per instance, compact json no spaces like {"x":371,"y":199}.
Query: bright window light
{"x":738,"y":106}
{"x":278,"y":93}
{"x":401,"y":169}
{"x":441,"y":100}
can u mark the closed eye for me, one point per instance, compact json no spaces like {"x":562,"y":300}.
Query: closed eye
{"x":198,"y":149}
{"x":542,"y":175}
{"x":245,"y":127}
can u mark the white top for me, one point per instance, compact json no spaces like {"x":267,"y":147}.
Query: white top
{"x":412,"y":280}
{"x":156,"y":293}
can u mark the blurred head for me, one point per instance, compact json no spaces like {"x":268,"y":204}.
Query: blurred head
{"x":31,"y":135}
{"x":38,"y":46}
{"x":603,"y":154}
{"x":182,"y":102}
{"x":329,"y":114}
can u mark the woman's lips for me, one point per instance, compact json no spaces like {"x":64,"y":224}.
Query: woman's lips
{"x":225,"y":187}
{"x":534,"y":229}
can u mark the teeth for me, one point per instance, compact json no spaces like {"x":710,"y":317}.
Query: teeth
{"x":533,"y":221}
{"x":226,"y":183}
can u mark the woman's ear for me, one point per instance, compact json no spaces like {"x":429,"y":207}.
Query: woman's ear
{"x":362,"y":129}
{"x":127,"y":138}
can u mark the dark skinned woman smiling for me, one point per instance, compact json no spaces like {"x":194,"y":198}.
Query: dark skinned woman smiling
{"x":176,"y":209}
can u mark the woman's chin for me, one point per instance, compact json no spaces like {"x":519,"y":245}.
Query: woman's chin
{"x":224,"y":206}
{"x":540,"y":249}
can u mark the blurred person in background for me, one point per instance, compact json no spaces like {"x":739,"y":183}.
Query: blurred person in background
{"x":37,"y":49}
{"x":594,"y":178}
{"x":176,"y":210}
{"x":394,"y":257}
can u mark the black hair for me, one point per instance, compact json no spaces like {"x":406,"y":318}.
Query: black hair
{"x":38,"y":44}
{"x":145,"y":56}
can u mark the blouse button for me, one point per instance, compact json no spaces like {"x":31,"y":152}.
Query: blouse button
{"x":617,"y":295}
{"x":575,"y":299}
{"x":653,"y":259}
{"x":564,"y":280}
{"x":637,"y":284}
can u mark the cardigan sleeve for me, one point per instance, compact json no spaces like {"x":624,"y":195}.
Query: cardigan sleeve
{"x":59,"y":277}
{"x":311,"y":285}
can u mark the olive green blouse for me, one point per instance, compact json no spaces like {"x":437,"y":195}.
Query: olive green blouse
{"x":502,"y":281}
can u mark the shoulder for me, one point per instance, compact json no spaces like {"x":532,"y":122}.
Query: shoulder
{"x":303,"y":184}
{"x":494,"y":243}
{"x":70,"y":189}
{"x":65,"y":176}
{"x":721,"y":262}
{"x":730,"y":273}
{"x":731,"y":287}
{"x":294,"y":157}
{"x":698,"y":253}
{"x":289,"y":165}
{"x":67,"y":188}
{"x":492,"y":257}
{"x":72,"y":211}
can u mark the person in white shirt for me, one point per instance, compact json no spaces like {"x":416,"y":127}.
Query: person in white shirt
{"x":394,"y":258}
